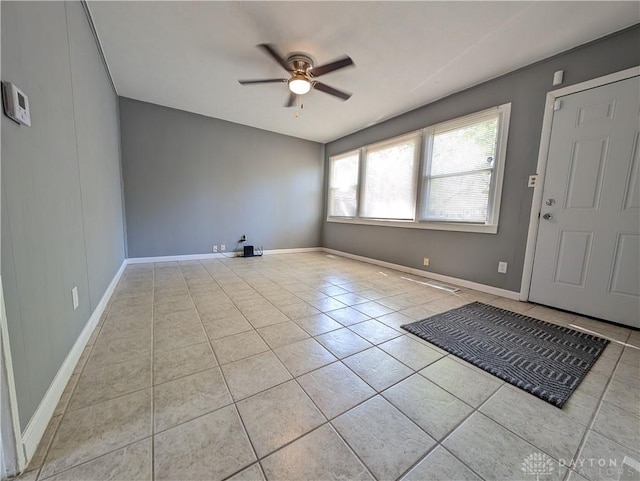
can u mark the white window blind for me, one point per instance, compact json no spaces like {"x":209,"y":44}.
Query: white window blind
{"x":460,"y":165}
{"x":390,"y":179}
{"x":343,"y":185}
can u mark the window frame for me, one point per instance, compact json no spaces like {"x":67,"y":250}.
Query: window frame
{"x":425,"y":146}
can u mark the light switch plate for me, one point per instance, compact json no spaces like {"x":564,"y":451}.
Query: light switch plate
{"x":74,"y":298}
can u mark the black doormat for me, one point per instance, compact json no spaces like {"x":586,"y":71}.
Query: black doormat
{"x":544,"y":359}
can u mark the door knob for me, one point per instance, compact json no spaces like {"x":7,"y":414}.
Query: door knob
{"x":547,"y":216}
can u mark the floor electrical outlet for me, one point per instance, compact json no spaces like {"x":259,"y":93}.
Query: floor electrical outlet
{"x":425,"y":262}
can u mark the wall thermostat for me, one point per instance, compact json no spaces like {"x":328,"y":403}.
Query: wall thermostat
{"x":16,"y":104}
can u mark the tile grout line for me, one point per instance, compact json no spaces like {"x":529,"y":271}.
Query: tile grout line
{"x":376,"y":393}
{"x":353,"y":449}
{"x":329,"y":422}
{"x":592,"y":419}
{"x":224,"y":379}
{"x":506,"y":385}
{"x":66,"y":411}
{"x":453,"y":430}
{"x":82,"y":370}
{"x":246,"y":278}
{"x":340,"y":360}
{"x":293,"y":378}
{"x":311,"y":335}
{"x":153,"y":365}
{"x":88,"y":461}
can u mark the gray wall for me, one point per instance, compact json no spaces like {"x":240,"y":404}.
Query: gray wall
{"x":192,"y":182}
{"x":473,"y":256}
{"x":62,"y":223}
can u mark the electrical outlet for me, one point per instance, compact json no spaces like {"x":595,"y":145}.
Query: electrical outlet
{"x":74,"y":297}
{"x":222,"y":247}
{"x":425,"y":262}
{"x":533,"y":180}
{"x":215,"y":248}
{"x":502,"y":267}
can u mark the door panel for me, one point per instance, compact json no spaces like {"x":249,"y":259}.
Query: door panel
{"x":587,"y":257}
{"x":586,"y":172}
{"x":632,"y":191}
{"x":596,"y":112}
{"x":626,"y":272}
{"x":574,"y":254}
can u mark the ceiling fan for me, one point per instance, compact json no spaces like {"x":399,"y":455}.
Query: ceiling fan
{"x":302,"y":74}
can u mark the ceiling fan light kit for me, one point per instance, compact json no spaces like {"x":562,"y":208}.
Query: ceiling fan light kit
{"x":303,"y":74}
{"x":299,"y":84}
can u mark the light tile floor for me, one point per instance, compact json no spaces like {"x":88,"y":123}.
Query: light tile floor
{"x":294,"y":367}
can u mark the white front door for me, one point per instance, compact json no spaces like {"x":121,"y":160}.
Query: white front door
{"x":587,"y":257}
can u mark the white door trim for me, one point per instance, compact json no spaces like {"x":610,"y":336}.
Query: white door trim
{"x":7,"y":366}
{"x":536,"y":203}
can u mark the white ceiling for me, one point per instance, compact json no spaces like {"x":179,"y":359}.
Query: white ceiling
{"x":189,"y":55}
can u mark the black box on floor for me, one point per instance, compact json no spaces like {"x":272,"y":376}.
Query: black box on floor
{"x":248,"y":251}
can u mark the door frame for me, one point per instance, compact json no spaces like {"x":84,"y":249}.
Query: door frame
{"x":11,"y":446}
{"x":543,"y":157}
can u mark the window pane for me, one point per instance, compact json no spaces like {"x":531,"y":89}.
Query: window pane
{"x":460,"y":198}
{"x":390,"y":184}
{"x":468,"y":148}
{"x":344,"y":186}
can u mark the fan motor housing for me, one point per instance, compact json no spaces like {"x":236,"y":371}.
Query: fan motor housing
{"x":300,"y":62}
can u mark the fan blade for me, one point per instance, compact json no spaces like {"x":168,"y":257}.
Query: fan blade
{"x":292,"y":100}
{"x":331,"y":66}
{"x":264,"y":81}
{"x":331,"y":91}
{"x":275,"y":55}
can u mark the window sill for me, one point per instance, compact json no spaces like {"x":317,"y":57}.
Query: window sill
{"x":450,"y":226}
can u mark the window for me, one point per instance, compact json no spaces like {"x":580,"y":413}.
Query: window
{"x":390,"y":179}
{"x":460,"y":165}
{"x":343,"y":185}
{"x":447,"y":176}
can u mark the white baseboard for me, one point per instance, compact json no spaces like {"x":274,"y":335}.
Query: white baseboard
{"x":186,"y":257}
{"x":297,"y":250}
{"x":218,"y":255}
{"x":431,"y":275}
{"x":40,"y":419}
